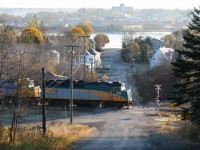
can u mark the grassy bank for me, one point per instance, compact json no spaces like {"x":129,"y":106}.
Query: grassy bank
{"x":59,"y":136}
{"x":173,"y":125}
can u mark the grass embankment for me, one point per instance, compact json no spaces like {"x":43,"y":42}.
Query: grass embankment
{"x":59,"y":136}
{"x":172,"y":124}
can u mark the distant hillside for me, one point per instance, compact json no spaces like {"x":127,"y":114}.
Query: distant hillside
{"x":23,"y":11}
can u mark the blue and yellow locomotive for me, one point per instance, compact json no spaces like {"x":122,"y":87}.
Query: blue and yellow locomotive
{"x":102,"y":94}
{"x":58,"y":93}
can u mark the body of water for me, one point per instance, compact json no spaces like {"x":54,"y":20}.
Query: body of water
{"x":116,"y":38}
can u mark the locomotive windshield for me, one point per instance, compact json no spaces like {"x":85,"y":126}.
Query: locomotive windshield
{"x":123,"y":88}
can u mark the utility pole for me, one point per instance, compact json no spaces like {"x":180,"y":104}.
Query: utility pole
{"x":91,"y":71}
{"x":85,"y":36}
{"x":71,"y":82}
{"x":158,"y":88}
{"x":43,"y":103}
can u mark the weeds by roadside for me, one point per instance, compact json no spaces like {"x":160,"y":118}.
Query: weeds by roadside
{"x":173,"y":125}
{"x":59,"y":136}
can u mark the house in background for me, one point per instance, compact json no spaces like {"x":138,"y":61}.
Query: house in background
{"x":162,"y":56}
{"x":97,"y":55}
{"x":156,"y":44}
{"x":54,"y":55}
{"x":92,"y":58}
{"x":89,"y":59}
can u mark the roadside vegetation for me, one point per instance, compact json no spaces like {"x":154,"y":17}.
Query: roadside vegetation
{"x":145,"y":82}
{"x":138,"y":50}
{"x":101,"y":39}
{"x":173,"y":124}
{"x":59,"y":136}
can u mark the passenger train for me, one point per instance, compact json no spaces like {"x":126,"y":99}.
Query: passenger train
{"x":102,"y":94}
{"x":58,"y":92}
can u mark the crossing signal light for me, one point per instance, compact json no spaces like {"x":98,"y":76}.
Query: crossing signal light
{"x":155,"y":98}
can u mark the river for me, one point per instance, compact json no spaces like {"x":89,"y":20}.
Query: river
{"x":116,"y":38}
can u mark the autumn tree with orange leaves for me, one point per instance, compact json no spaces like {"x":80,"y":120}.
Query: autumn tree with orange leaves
{"x":74,"y":32}
{"x":101,"y":40}
{"x":31,"y":36}
{"x":87,"y":28}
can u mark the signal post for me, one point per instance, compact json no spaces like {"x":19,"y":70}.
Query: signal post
{"x":157,"y":88}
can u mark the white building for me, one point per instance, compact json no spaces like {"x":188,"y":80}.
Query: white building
{"x":122,"y":9}
{"x":54,"y":55}
{"x":92,"y":58}
{"x":89,"y":59}
{"x":97,"y":55}
{"x":162,"y":56}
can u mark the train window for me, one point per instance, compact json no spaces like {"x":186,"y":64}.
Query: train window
{"x":102,"y":86}
{"x":58,"y":82}
{"x":118,"y":92}
{"x":116,"y":89}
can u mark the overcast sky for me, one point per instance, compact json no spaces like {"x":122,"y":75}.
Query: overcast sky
{"x":165,"y":4}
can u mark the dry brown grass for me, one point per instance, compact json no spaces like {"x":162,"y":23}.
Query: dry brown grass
{"x":76,"y":131}
{"x":167,"y":118}
{"x":59,"y":136}
{"x":173,"y":125}
{"x":167,"y":121}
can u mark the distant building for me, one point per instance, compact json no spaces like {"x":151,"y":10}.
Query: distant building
{"x":123,"y":9}
{"x":92,"y":58}
{"x":162,"y":56}
{"x":89,"y":59}
{"x":97,"y":55}
{"x":73,"y":21}
{"x":49,"y":44}
{"x":129,"y":28}
{"x":54,"y":55}
{"x":156,"y":44}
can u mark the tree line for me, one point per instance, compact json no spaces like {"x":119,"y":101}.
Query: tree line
{"x":180,"y":79}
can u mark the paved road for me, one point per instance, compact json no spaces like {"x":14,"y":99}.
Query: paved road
{"x":118,"y":69}
{"x":125,"y":129}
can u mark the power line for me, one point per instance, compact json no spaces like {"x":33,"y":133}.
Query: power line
{"x":71,"y":82}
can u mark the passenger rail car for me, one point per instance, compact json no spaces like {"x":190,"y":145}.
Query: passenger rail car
{"x":104,"y":94}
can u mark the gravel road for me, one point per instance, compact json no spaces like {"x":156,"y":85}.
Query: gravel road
{"x":127,"y":129}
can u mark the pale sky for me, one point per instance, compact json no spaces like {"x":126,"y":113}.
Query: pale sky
{"x":165,"y":4}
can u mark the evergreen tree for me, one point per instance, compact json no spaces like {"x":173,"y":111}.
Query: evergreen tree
{"x":187,"y":67}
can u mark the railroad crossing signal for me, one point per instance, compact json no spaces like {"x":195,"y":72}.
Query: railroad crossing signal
{"x":158,"y":87}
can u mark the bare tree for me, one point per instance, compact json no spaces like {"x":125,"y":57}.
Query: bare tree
{"x":15,"y":63}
